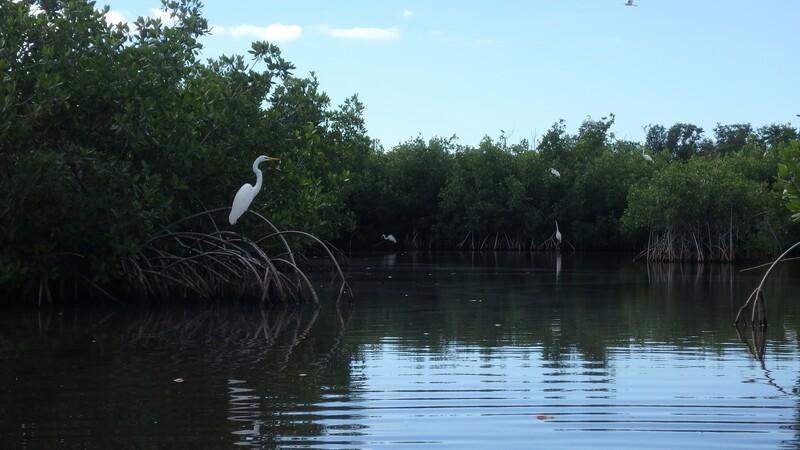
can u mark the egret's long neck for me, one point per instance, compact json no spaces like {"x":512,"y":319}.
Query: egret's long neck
{"x":259,"y":177}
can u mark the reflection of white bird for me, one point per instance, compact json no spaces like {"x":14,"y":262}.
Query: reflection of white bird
{"x":555,"y":172}
{"x":389,"y":260}
{"x":389,"y":238}
{"x":247,"y":192}
{"x":647,"y":157}
{"x":558,"y":234}
{"x":630,"y":3}
{"x":558,"y":265}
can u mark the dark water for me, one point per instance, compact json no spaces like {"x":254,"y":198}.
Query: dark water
{"x":440,"y":351}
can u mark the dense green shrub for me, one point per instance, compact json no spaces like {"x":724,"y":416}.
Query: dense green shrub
{"x":789,"y":174}
{"x":707,"y":206}
{"x":607,"y":195}
{"x":111,"y":132}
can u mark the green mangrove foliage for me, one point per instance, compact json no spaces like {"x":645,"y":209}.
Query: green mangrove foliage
{"x":788,"y":173}
{"x":111,"y":132}
{"x":696,"y":199}
{"x":788,"y":170}
{"x":700,"y":209}
{"x":118,"y":145}
{"x":397,"y":192}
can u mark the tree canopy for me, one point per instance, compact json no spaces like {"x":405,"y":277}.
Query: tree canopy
{"x":111,"y":132}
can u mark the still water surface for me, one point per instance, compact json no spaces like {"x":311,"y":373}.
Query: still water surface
{"x":439,"y":351}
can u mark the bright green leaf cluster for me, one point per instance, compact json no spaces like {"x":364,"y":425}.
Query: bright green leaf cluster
{"x":789,"y":177}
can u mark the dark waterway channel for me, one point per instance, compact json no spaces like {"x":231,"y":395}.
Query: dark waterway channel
{"x":455,"y":350}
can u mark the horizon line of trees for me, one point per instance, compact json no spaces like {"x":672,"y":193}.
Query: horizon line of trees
{"x":697,"y":199}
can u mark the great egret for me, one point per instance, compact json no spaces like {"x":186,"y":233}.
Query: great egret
{"x":646,"y":157}
{"x":389,"y":238}
{"x":555,"y":172}
{"x":558,"y":234}
{"x":248,"y":192}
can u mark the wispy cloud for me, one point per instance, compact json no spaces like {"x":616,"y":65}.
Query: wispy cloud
{"x":362,"y":33}
{"x":407,"y":13}
{"x":275,"y":32}
{"x":115,"y":17}
{"x":163,"y":15}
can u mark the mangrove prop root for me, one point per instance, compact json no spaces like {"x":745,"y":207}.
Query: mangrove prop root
{"x":220,"y":263}
{"x":757,"y":299}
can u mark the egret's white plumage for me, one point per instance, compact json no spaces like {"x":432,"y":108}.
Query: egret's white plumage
{"x":389,"y":238}
{"x":558,"y":234}
{"x":247,"y":192}
{"x":555,"y":172}
{"x":646,"y":157}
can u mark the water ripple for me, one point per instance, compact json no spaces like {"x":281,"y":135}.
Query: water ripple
{"x":473,"y":402}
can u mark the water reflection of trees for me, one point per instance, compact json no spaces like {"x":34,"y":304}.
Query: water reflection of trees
{"x":266,"y":353}
{"x":697,"y":273}
{"x":165,"y":370}
{"x":615,"y":303}
{"x":260,"y":374}
{"x":268,"y":333}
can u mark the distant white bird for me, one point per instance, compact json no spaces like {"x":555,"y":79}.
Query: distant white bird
{"x":389,"y":238}
{"x":555,"y":172}
{"x":630,"y":3}
{"x":647,"y":157}
{"x":558,"y":234}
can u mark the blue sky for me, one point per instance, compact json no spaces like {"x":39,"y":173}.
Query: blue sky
{"x":474,"y":68}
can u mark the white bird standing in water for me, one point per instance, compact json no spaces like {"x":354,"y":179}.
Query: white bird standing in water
{"x":247,"y":192}
{"x":647,"y":157}
{"x":558,"y":234}
{"x":555,"y":172}
{"x":389,"y":238}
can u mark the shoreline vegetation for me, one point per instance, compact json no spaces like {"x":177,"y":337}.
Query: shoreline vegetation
{"x":178,"y":262}
{"x":115,"y":137}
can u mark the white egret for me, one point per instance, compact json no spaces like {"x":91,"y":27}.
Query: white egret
{"x":646,"y":157}
{"x":555,"y":172}
{"x":558,"y":234}
{"x":389,"y":238}
{"x":248,"y":192}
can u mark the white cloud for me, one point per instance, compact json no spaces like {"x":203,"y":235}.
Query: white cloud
{"x":275,"y":32}
{"x":115,"y":17}
{"x":363,"y":33}
{"x":407,"y":13}
{"x":163,"y":15}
